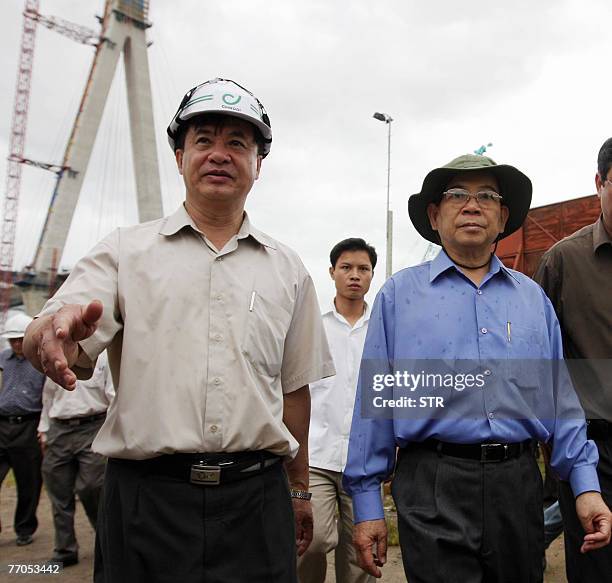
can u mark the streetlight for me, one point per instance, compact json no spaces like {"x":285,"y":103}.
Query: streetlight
{"x":388,"y":119}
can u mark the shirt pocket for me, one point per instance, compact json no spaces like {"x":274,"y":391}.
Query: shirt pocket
{"x":525,"y":354}
{"x":267,"y":324}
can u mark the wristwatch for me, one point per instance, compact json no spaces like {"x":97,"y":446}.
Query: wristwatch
{"x":301,"y":494}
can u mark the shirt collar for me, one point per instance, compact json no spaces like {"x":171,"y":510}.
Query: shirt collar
{"x":442,"y":263}
{"x":181,"y":219}
{"x":600,"y":235}
{"x":335,"y":314}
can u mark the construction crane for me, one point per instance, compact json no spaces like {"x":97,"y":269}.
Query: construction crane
{"x":16,"y":158}
{"x":16,"y":148}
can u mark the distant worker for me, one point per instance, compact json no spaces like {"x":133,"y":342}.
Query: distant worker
{"x":20,"y":405}
{"x":214,"y":332}
{"x":576,"y":273}
{"x":352,"y":268}
{"x":462,"y":372}
{"x":69,"y":422}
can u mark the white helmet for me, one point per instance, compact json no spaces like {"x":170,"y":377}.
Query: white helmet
{"x":226,"y":97}
{"x":16,"y":325}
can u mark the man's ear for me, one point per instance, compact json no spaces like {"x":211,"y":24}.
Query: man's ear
{"x":179,"y":160}
{"x":259,"y":159}
{"x":432,"y":213}
{"x":599,"y":183}
{"x":331,"y":273}
{"x":503,"y":218}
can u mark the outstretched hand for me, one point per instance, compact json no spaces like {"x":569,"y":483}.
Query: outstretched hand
{"x":51,"y":342}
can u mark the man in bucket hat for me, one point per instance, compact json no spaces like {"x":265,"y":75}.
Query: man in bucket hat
{"x":213,"y":332}
{"x":457,"y":372}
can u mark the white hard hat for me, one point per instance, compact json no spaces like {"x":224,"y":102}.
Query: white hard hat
{"x":16,"y":325}
{"x":228,"y":98}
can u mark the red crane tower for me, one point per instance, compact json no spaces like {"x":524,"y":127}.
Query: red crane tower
{"x":15,"y":157}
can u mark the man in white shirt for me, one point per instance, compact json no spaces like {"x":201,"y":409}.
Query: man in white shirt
{"x":332,"y":401}
{"x":69,"y":422}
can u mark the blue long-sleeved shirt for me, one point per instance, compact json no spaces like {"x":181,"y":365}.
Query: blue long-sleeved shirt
{"x":22,"y":385}
{"x":432,"y":319}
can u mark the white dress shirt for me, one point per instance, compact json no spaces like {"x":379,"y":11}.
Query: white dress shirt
{"x":333,"y":398}
{"x":90,"y":397}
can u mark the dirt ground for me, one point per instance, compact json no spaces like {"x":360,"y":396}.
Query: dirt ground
{"x":42,"y":547}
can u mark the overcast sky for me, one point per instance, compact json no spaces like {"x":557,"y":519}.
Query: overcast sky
{"x":532,"y":77}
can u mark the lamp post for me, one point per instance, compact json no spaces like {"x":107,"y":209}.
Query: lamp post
{"x":389,"y":266}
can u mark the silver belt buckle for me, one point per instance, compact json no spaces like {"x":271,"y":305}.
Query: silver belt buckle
{"x":205,"y":475}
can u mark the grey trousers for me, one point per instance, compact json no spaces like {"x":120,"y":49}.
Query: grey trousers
{"x":331,"y":533}
{"x":463,"y":521}
{"x":69,"y":468}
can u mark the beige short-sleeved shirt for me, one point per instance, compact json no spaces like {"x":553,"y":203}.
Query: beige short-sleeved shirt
{"x":202,"y":343}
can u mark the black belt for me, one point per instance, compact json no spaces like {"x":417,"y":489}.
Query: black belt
{"x":15,"y":419}
{"x":206,"y":469}
{"x":80,"y":420}
{"x":482,"y":452}
{"x":599,"y":429}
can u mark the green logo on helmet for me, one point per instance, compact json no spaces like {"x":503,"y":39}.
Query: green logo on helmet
{"x":228,"y":97}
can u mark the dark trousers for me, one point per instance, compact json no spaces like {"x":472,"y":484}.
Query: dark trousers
{"x":159,"y":529}
{"x":19,"y":450}
{"x":594,"y":565}
{"x":463,"y":521}
{"x":69,"y":468}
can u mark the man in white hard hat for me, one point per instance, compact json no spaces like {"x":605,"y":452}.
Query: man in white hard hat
{"x":213,"y":333}
{"x":20,"y":405}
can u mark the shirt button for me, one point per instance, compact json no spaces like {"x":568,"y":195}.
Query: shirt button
{"x":219,"y":298}
{"x":484,"y":330}
{"x":218,"y":337}
{"x":487,"y":372}
{"x":479,"y":292}
{"x":491,"y":415}
{"x":217,"y":381}
{"x":213,"y":429}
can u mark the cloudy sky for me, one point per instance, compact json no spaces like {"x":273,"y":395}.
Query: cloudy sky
{"x":532,"y":77}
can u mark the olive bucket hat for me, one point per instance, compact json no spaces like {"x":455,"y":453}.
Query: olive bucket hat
{"x":514,"y":185}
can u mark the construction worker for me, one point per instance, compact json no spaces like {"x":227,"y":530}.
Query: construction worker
{"x":69,"y":422}
{"x":20,"y":405}
{"x":576,"y":274}
{"x":213,"y":333}
{"x":346,"y":323}
{"x":461,"y":371}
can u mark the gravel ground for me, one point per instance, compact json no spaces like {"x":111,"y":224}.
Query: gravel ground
{"x":42,"y":547}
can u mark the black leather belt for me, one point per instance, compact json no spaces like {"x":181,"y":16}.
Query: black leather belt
{"x":207,"y":469}
{"x":482,"y":452}
{"x":16,"y":419}
{"x":599,"y":429}
{"x":80,"y":420}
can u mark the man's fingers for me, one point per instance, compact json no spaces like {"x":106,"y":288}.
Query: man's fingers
{"x":92,"y":312}
{"x":365,"y":559}
{"x":381,"y":551}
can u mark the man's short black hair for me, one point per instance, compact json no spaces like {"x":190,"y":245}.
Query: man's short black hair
{"x":604,"y":159}
{"x":216,"y":119}
{"x":352,"y":244}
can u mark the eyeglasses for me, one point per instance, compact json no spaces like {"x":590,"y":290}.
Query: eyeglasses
{"x":460,"y":196}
